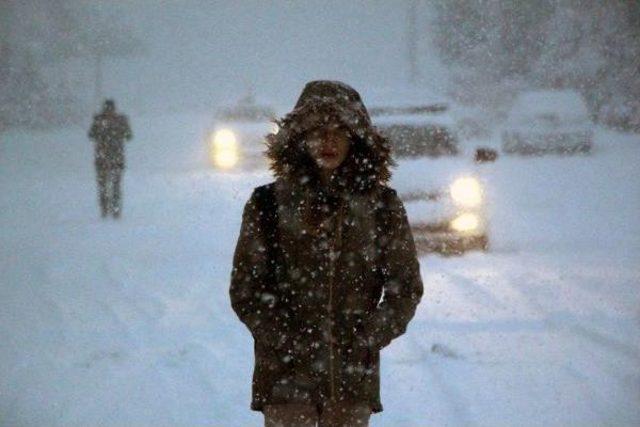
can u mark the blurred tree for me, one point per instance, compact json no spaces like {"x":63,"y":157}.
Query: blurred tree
{"x":24,"y":96}
{"x":36,"y":34}
{"x":101,"y":35}
{"x":496,"y":46}
{"x":501,"y":37}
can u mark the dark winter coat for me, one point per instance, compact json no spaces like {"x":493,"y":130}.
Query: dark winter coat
{"x":109,"y":131}
{"x":313,"y":300}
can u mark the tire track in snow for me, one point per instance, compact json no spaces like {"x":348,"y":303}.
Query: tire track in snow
{"x":474,"y":291}
{"x":185,"y":359}
{"x":437,"y":358}
{"x":563,"y":322}
{"x":458,"y":404}
{"x":434,"y":378}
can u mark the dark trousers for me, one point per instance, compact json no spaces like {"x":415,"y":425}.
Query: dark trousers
{"x":109,"y":194}
{"x":301,"y":415}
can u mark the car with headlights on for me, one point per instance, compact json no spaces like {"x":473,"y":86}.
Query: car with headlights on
{"x":442,"y":190}
{"x":446,"y":205}
{"x":548,"y":122}
{"x":236,"y":141}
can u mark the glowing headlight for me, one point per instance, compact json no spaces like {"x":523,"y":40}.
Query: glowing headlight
{"x":465,"y":223}
{"x":224,"y":138}
{"x":224,"y":149}
{"x":466,"y":192}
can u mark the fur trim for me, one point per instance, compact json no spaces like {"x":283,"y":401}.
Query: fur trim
{"x":367,"y":163}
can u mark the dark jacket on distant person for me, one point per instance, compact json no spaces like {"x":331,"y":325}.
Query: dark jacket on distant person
{"x":338,"y":279}
{"x":110,"y":130}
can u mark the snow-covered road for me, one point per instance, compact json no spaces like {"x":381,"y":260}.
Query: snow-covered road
{"x":128,"y":323}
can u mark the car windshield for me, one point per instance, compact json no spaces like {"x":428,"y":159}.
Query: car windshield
{"x":549,"y":119}
{"x":417,"y":109}
{"x":413,"y":140}
{"x":246,"y":113}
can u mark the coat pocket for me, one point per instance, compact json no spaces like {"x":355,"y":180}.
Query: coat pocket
{"x":268,"y":371}
{"x":355,"y":364}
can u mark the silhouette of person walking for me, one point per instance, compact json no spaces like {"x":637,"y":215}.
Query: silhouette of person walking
{"x":109,"y":132}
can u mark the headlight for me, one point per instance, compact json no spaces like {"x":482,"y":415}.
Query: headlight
{"x":465,"y":223}
{"x":466,"y":192}
{"x":224,"y":149}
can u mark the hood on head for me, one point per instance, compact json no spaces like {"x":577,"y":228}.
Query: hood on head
{"x":109,"y":106}
{"x":323,"y":102}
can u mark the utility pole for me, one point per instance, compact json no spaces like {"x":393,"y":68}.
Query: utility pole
{"x":6,"y":19}
{"x":98,"y":78}
{"x":412,"y":42}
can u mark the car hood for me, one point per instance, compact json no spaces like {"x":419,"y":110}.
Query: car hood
{"x":431,"y":175}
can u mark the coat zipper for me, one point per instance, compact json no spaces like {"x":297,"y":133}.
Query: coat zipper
{"x":332,"y":257}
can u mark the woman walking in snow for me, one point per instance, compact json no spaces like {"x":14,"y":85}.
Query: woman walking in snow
{"x":325,"y":272}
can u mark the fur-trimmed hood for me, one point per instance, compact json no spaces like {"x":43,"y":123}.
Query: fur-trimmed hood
{"x":320,"y":103}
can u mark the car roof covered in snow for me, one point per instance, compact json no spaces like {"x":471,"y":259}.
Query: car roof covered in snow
{"x":406,"y":105}
{"x":246,"y":113}
{"x":565,"y":103}
{"x":399,"y":96}
{"x":436,"y":114}
{"x":246,"y":110}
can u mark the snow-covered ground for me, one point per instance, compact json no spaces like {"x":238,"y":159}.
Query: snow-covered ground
{"x":128,"y":323}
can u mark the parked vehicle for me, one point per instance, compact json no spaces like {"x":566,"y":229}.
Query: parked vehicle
{"x":548,"y":122}
{"x":473,"y":123}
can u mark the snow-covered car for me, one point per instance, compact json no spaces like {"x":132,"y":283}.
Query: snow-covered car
{"x":417,"y":130}
{"x":445,"y":201}
{"x":236,"y":139}
{"x":472,"y":123}
{"x":547,"y":121}
{"x":441,"y":191}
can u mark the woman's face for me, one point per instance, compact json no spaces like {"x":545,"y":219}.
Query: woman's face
{"x":329,"y":145}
